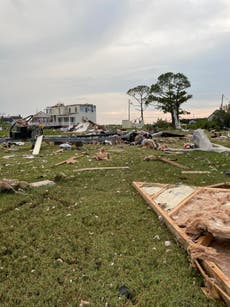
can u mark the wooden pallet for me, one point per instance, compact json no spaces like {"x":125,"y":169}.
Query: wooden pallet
{"x":216,"y":280}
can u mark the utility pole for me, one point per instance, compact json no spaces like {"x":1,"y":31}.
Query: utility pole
{"x":129,"y":103}
{"x":222,"y":102}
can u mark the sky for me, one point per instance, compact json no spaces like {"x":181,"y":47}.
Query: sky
{"x":94,"y":51}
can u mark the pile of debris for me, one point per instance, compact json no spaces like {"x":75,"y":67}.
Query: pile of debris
{"x":200,"y":220}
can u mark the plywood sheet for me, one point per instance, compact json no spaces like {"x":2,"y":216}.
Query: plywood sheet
{"x":37,"y":145}
{"x":171,"y":197}
{"x":152,"y":190}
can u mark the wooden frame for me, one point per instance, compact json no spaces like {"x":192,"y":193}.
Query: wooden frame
{"x":216,"y":280}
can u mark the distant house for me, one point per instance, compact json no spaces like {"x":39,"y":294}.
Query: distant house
{"x":61,"y":115}
{"x":213,"y":115}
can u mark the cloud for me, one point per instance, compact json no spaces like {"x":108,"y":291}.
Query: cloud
{"x":54,"y":50}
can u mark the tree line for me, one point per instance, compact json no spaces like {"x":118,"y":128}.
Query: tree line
{"x":168,"y":94}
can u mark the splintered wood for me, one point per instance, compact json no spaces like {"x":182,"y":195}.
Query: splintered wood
{"x":200,"y":220}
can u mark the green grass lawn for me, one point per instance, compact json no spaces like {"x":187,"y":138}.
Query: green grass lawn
{"x":91,"y":233}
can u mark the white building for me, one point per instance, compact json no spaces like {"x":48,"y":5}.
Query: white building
{"x":60,"y":115}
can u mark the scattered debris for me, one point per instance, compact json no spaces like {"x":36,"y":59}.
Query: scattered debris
{"x":156,"y":237}
{"x":168,"y":134}
{"x":12,"y":185}
{"x":18,"y":143}
{"x":65,"y":146}
{"x":16,"y":186}
{"x":28,"y":156}
{"x":9,"y":156}
{"x":84,"y":303}
{"x":102,"y":155}
{"x":124,"y":291}
{"x":167,"y":243}
{"x":201,"y":140}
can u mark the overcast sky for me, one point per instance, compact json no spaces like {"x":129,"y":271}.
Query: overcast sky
{"x":93,"y":51}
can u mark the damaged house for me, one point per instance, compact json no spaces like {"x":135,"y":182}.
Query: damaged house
{"x":61,"y":115}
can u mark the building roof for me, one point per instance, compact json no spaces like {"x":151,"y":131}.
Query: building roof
{"x":41,"y":114}
{"x":70,"y":105}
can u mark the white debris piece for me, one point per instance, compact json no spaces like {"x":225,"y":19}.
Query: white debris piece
{"x":42,"y":183}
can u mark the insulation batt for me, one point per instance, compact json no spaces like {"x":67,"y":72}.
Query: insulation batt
{"x":207,"y":211}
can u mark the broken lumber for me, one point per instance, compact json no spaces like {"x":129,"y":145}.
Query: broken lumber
{"x":195,"y":172}
{"x":152,"y":158}
{"x":100,"y":168}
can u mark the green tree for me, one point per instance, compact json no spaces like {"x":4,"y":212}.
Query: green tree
{"x":169,"y":93}
{"x":140,"y":93}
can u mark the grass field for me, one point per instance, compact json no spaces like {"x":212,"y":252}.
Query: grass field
{"x":91,"y":233}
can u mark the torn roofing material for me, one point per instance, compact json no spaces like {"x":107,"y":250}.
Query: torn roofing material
{"x":200,"y":220}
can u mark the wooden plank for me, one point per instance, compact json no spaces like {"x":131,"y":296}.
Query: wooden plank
{"x":222,"y":185}
{"x":213,"y":271}
{"x":37,"y":145}
{"x":100,"y":168}
{"x":195,"y":172}
{"x":162,"y":159}
{"x":172,"y":163}
{"x":215,"y":288}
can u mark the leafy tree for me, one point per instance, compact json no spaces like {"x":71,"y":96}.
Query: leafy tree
{"x":169,"y":93}
{"x":140,"y":94}
{"x":222,"y":117}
